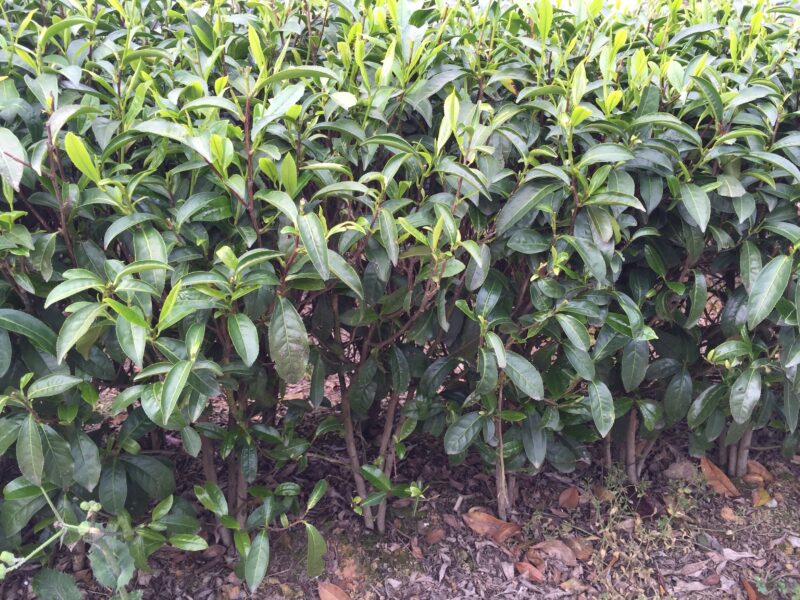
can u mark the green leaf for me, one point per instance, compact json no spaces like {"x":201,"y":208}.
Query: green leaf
{"x":534,"y":439}
{"x":244,"y":336}
{"x":211,"y":497}
{"x":745,"y":392}
{"x":6,"y":352}
{"x":113,"y":489}
{"x":346,"y":273}
{"x":306,"y":72}
{"x":524,"y":375}
{"x":12,"y":159}
{"x":697,"y":204}
{"x":52,"y":385}
{"x":461,"y":434}
{"x":678,"y":396}
{"x":635,"y":359}
{"x":388,"y":231}
{"x":313,"y":236}
{"x":768,"y":288}
{"x":288,"y":342}
{"x":602,"y":406}
{"x":605,"y":153}
{"x":698,"y":298}
{"x":80,"y":157}
{"x":376,"y":477}
{"x":574,"y":330}
{"x":705,"y":404}
{"x":521,"y":203}
{"x":112,"y":563}
{"x":32,"y":328}
{"x":86,"y":460}
{"x":257,"y":561}
{"x":75,"y":327}
{"x":316,"y":551}
{"x":174,"y":384}
{"x":70,"y":287}
{"x":319,"y":491}
{"x":30,"y":456}
{"x":54,"y":585}
{"x":189,"y":542}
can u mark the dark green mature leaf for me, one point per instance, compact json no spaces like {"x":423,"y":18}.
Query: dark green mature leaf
{"x":601,"y":404}
{"x":32,"y":328}
{"x":174,"y":384}
{"x":54,"y":585}
{"x":288,"y":342}
{"x":52,"y":385}
{"x":521,"y":203}
{"x":768,"y":288}
{"x":12,"y":158}
{"x":524,"y":375}
{"x":697,"y":204}
{"x":313,"y":236}
{"x":112,"y":563}
{"x":635,"y":359}
{"x":113,"y":490}
{"x":211,"y":496}
{"x":745,"y":392}
{"x":257,"y":561}
{"x":244,"y":336}
{"x":460,"y":435}
{"x":30,"y":456}
{"x":316,"y":549}
{"x":75,"y":327}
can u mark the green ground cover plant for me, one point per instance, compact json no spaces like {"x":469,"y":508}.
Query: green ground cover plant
{"x":529,"y":232}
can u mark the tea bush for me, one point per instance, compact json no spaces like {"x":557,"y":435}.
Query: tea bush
{"x":517,"y":229}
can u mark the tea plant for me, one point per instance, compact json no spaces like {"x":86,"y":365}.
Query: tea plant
{"x":519,"y":228}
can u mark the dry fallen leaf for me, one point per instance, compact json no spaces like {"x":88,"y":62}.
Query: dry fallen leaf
{"x":529,"y":572}
{"x":416,"y":551}
{"x":749,"y":590}
{"x":753,"y":480}
{"x":488,"y":526}
{"x":434,"y":536}
{"x":728,"y":515}
{"x":682,"y":470}
{"x":717,"y":480}
{"x":569,"y":498}
{"x":331,"y":591}
{"x":760,"y":497}
{"x":558,"y":550}
{"x":756,"y":468}
{"x":581,"y":547}
{"x":601,"y":493}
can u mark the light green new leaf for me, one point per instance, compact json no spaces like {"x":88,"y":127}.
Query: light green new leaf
{"x":80,"y":157}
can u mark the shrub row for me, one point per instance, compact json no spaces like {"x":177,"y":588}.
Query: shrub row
{"x":517,"y":229}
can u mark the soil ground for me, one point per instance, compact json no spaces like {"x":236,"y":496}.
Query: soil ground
{"x":670,"y":537}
